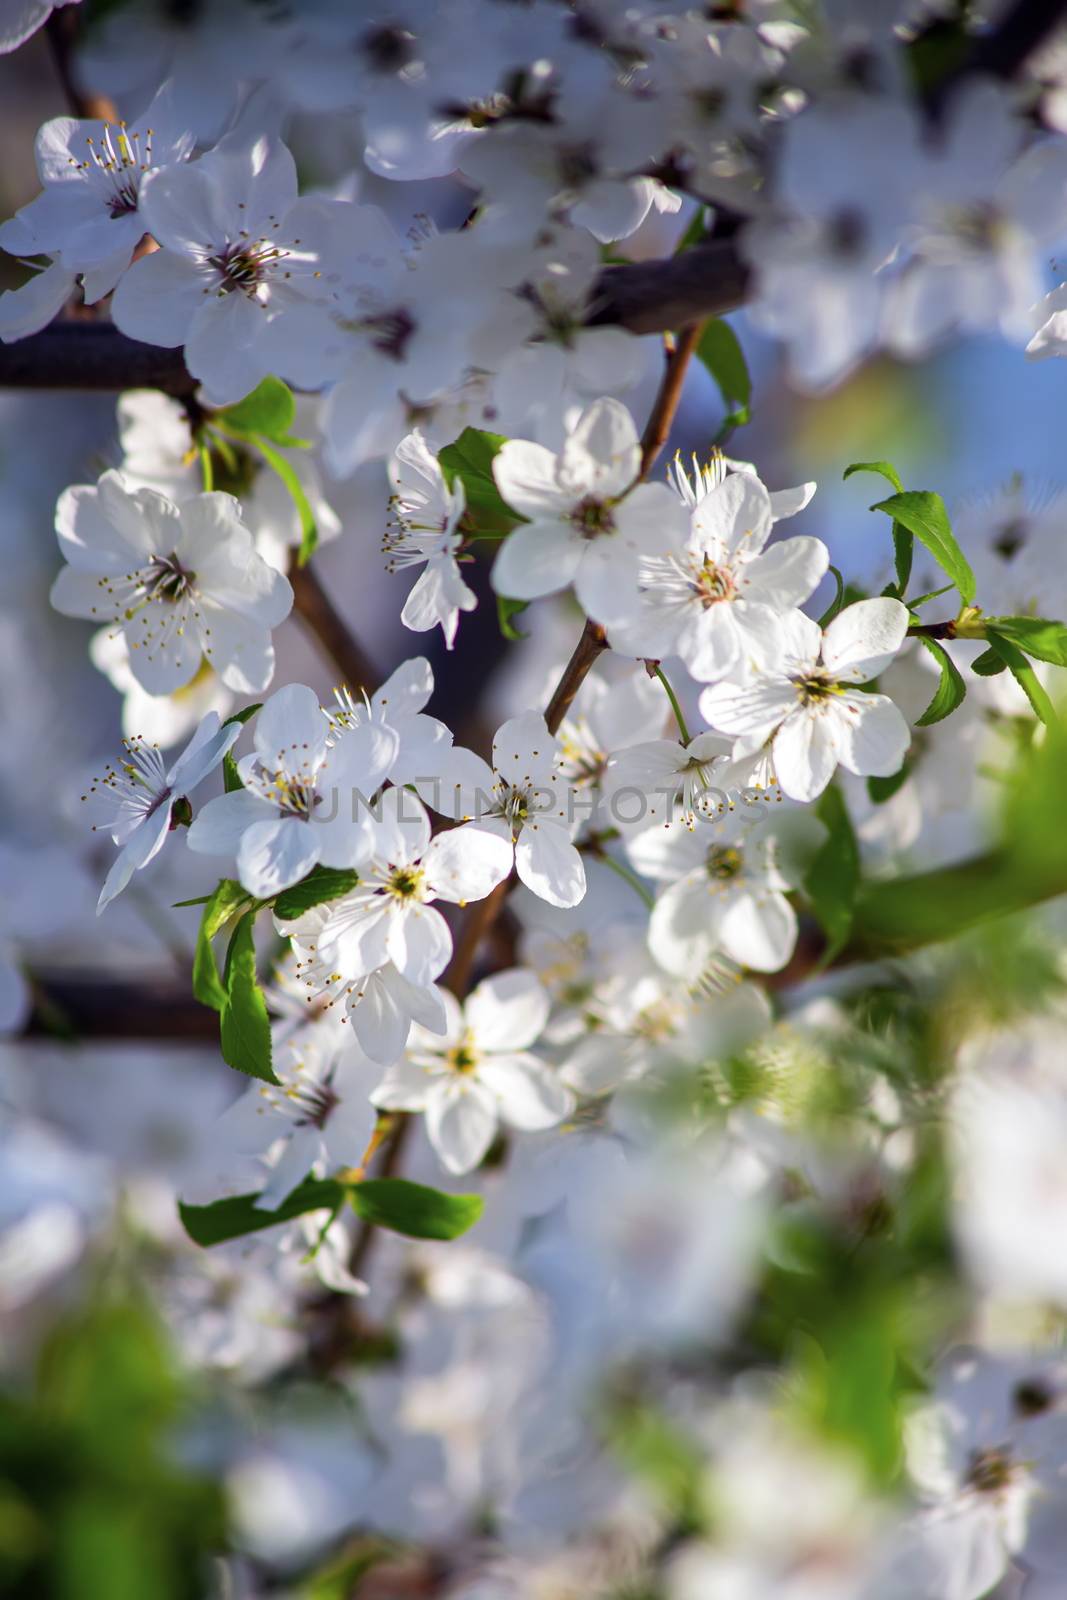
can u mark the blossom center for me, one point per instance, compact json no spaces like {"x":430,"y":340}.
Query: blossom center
{"x":815,"y":686}
{"x":723,"y":863}
{"x":390,"y":331}
{"x":314,"y":1104}
{"x":462,"y":1057}
{"x":294,"y":796}
{"x":593,"y":517}
{"x":166,"y":579}
{"x":990,"y":1469}
{"x":405,"y":883}
{"x":243,"y":267}
{"x":714,"y":583}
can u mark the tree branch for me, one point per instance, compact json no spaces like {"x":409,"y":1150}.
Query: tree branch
{"x":313,"y":605}
{"x":645,"y":297}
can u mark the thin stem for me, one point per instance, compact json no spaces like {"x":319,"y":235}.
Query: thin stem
{"x":206,"y":469}
{"x":679,"y":715}
{"x":627,"y":874}
{"x":658,"y":427}
{"x":586,"y":651}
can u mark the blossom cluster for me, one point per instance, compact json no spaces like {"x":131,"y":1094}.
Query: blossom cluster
{"x":632,"y":962}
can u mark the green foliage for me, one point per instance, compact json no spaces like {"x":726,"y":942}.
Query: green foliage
{"x":923,"y":515}
{"x":724,"y":359}
{"x":415,"y":1210}
{"x":989,"y":664}
{"x":882,"y":789}
{"x":696,"y":232}
{"x":219,"y":907}
{"x":1023,"y":673}
{"x":394,"y":1203}
{"x":93,"y":1501}
{"x":264,"y":419}
{"x":837,"y":602}
{"x":309,"y":533}
{"x":244,"y":1027}
{"x":506,"y":610}
{"x":470,"y":459}
{"x":1044,"y":640}
{"x":270,"y":411}
{"x":231,"y":779}
{"x":236,"y":1216}
{"x":320,"y":885}
{"x":833,"y":877}
{"x":951,"y":688}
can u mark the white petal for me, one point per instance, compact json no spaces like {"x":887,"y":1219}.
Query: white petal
{"x":274,"y":855}
{"x":525,"y":474}
{"x":601,"y":457}
{"x":508,"y":1011}
{"x":549,"y":865}
{"x":461,"y":1119}
{"x":536,"y":559}
{"x":529,"y":1094}
{"x":807,"y":749}
{"x":864,"y":637}
{"x":467,"y":863}
{"x":759,"y":931}
{"x":875,"y":737}
{"x":219,"y":826}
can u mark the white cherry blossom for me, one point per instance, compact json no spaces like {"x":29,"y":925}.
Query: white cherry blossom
{"x":718,"y":601}
{"x":317,"y":1117}
{"x":303,"y":800}
{"x":425,"y":515}
{"x":524,"y":801}
{"x":390,"y":915}
{"x":587,"y":522}
{"x":182,"y":583}
{"x":805,"y":699}
{"x":135,"y":800}
{"x":88,"y":216}
{"x":481,"y":1073}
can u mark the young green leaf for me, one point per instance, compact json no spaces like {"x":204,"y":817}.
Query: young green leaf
{"x":414,"y":1210}
{"x":270,"y":410}
{"x":950,"y":689}
{"x":309,"y":533}
{"x":238,"y":1214}
{"x":989,"y":664}
{"x":722,"y":355}
{"x":470,"y":459}
{"x":882,"y":789}
{"x":836,"y":603}
{"x":1024,"y":675}
{"x":1045,"y":640}
{"x":244,"y":1027}
{"x":320,"y":885}
{"x":923,"y":514}
{"x":832,"y":879}
{"x":231,"y":778}
{"x":505,"y":610}
{"x":885,"y":468}
{"x":696,"y":232}
{"x":227,"y":899}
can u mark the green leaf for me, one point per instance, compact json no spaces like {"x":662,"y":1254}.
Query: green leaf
{"x":1024,"y":675}
{"x":903,"y":543}
{"x":722,"y":355}
{"x":886,"y":468}
{"x":414,"y":1210}
{"x":832,"y":880}
{"x":989,"y":664}
{"x":882,"y":789}
{"x":923,"y":514}
{"x":270,"y":410}
{"x":950,"y":690}
{"x":237,"y":1215}
{"x":231,"y":778}
{"x":470,"y":459}
{"x":696,"y":232}
{"x":320,"y":885}
{"x":505,"y":610}
{"x":1045,"y":640}
{"x":218,"y":909}
{"x":932,"y":594}
{"x":835,"y":604}
{"x":244,"y":1028}
{"x":309,"y":534}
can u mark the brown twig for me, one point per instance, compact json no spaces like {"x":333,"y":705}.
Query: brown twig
{"x":658,"y":428}
{"x":316,"y":609}
{"x":645,"y":297}
{"x":62,"y":29}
